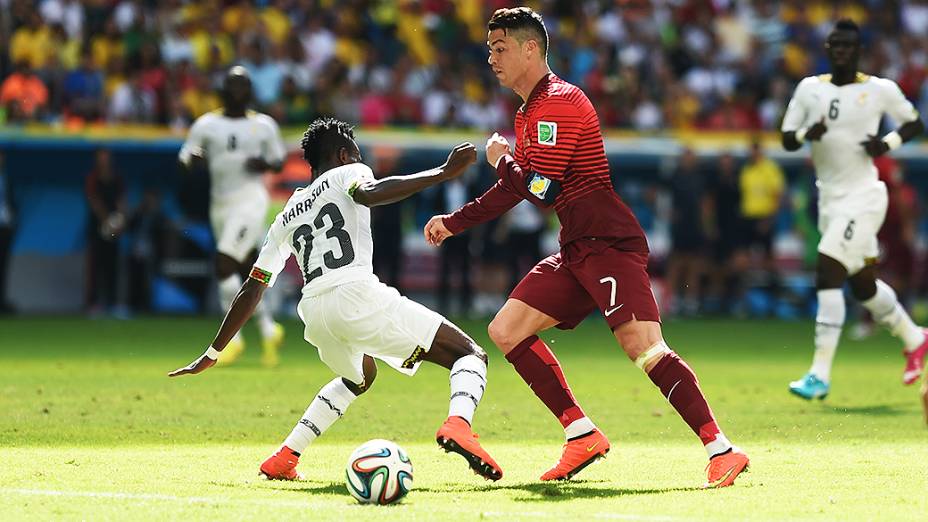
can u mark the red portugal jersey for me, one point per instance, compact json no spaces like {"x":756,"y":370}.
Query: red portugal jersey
{"x":558,"y":144}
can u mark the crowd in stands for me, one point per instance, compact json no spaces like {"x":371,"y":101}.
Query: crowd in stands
{"x":647,"y":64}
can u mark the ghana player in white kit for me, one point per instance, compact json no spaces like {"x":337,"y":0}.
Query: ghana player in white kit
{"x":350,"y":316}
{"x":237,"y":146}
{"x":840,"y":114}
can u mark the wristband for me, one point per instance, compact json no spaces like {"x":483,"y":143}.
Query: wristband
{"x":211,"y":353}
{"x":801,"y":134}
{"x":893,"y":140}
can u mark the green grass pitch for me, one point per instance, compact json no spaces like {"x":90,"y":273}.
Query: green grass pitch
{"x":91,"y":428}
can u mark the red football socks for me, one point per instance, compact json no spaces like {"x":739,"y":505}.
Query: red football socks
{"x":539,"y":368}
{"x":679,"y":384}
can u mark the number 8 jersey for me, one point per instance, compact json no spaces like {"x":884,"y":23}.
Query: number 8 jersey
{"x":327,"y":231}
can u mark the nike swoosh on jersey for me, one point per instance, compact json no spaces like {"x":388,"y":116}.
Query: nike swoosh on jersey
{"x":609,"y":312}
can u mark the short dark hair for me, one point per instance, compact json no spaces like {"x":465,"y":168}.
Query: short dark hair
{"x":846,"y":24}
{"x":323,"y":137}
{"x":521,"y":19}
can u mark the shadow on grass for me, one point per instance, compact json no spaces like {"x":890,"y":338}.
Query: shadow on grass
{"x":542,"y":492}
{"x":537,"y":492}
{"x":879,"y":410}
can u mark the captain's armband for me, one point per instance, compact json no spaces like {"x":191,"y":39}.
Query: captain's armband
{"x":261,"y":276}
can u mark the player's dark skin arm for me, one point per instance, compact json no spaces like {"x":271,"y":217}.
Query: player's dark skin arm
{"x":260,"y":166}
{"x":243,"y":306}
{"x":396,"y":188}
{"x":814,"y":133}
{"x":875,"y":146}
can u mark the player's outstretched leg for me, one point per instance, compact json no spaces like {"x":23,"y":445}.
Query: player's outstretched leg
{"x":679,"y":385}
{"x":887,"y":311}
{"x":329,"y":405}
{"x":513,"y":331}
{"x":467,"y":363}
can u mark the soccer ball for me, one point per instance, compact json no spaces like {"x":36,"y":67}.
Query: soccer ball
{"x":378,"y":472}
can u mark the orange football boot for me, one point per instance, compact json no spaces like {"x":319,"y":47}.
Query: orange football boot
{"x":455,"y":435}
{"x":724,"y":469}
{"x":281,"y":465}
{"x":578,"y":454}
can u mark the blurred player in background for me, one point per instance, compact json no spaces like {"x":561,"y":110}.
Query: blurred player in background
{"x":351,"y":317}
{"x":237,"y":146}
{"x":559,"y":161}
{"x":840,"y":113}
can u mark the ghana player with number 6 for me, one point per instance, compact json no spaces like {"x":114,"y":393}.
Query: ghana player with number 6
{"x":559,"y":162}
{"x":237,"y":146}
{"x":840,"y":114}
{"x":350,"y":316}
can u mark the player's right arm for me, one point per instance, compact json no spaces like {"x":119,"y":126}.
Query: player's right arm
{"x":192,"y":155}
{"x":373,"y":192}
{"x":270,"y":262}
{"x":794,"y":129}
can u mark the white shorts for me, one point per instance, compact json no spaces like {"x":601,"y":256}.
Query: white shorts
{"x":238,"y":229}
{"x":368,"y":318}
{"x":849,"y":226}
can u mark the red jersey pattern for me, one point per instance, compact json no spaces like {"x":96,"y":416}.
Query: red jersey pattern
{"x":558,"y":137}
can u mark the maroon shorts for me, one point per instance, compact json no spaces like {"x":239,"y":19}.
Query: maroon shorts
{"x":589,"y":274}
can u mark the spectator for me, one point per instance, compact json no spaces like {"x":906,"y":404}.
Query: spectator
{"x":266,"y":76}
{"x":67,"y":13}
{"x":524,"y":225}
{"x":83,"y":90}
{"x":147,"y":227}
{"x":455,"y":257}
{"x":107,"y":45}
{"x":7,"y":228}
{"x":689,"y":217}
{"x":762,"y":185}
{"x":23,"y":94}
{"x":32,"y":43}
{"x":725,"y":232}
{"x":200,"y":98}
{"x":106,"y":200}
{"x":133,"y":102}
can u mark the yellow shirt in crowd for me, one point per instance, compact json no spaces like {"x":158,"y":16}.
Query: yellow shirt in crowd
{"x":762,"y":186}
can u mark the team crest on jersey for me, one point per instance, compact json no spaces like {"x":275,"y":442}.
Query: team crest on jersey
{"x":547,"y":133}
{"x":539,"y":185}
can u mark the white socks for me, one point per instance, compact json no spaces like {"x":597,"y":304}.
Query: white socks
{"x":468,"y":379}
{"x":828,"y":323}
{"x":330,"y":404}
{"x":579,"y":427}
{"x":228,"y":289}
{"x":265,"y":321}
{"x":720,"y":445}
{"x":888,"y":312}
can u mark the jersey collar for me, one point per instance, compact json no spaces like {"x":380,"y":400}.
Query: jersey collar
{"x":540,"y":86}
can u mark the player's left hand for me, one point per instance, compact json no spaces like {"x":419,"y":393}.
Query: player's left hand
{"x":875,"y":146}
{"x":497,"y":147}
{"x":435,"y":230}
{"x":256,"y":165}
{"x":200,"y":364}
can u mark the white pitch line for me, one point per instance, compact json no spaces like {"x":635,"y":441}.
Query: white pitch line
{"x":604,"y":516}
{"x":294,"y":503}
{"x":150,"y":496}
